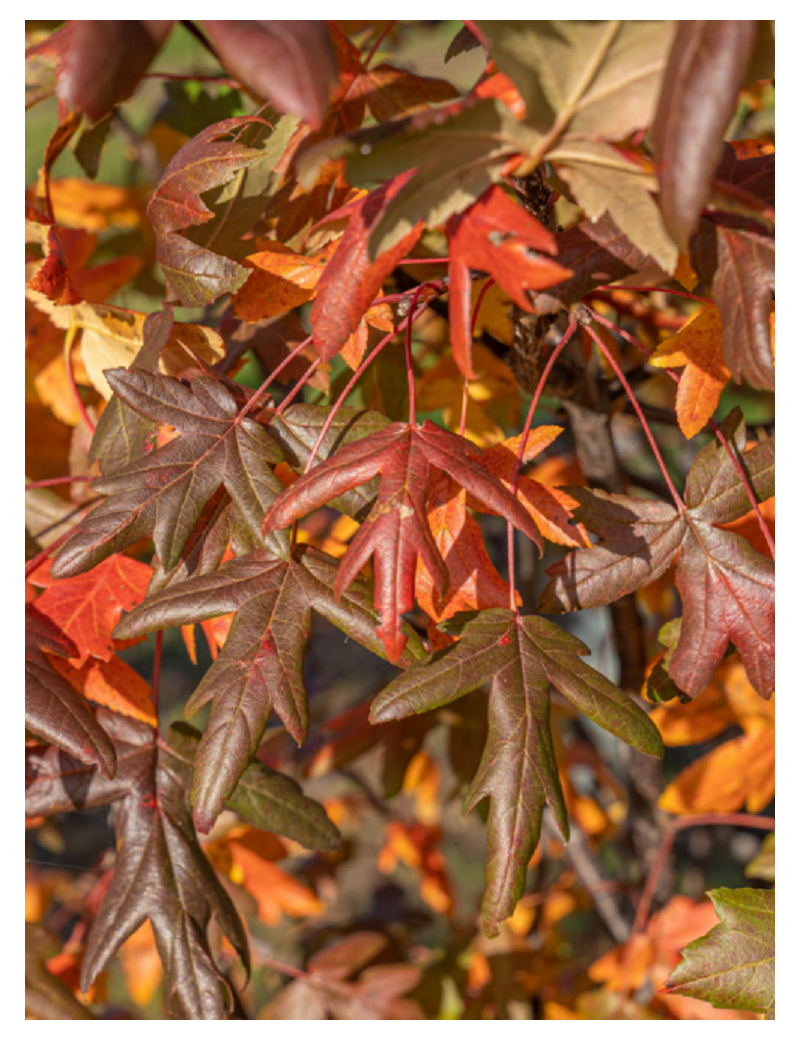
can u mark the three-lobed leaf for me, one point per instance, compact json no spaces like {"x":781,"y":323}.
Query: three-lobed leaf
{"x":520,"y":657}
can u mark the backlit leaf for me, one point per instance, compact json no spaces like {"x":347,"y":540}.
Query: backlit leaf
{"x":734,"y":965}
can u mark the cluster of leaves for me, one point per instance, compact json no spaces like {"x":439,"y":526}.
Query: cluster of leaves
{"x":204,"y":491}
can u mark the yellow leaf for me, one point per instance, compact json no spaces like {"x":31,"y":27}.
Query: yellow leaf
{"x":697,"y":347}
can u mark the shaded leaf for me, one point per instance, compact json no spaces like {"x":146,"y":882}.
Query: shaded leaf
{"x":734,"y":965}
{"x":161,"y":873}
{"x":596,"y":253}
{"x":195,"y":274}
{"x":457,"y":151}
{"x":520,"y":657}
{"x":297,"y":431}
{"x":261,"y":665}
{"x":290,"y":62}
{"x":603,"y":181}
{"x":700,"y":90}
{"x":164,"y":492}
{"x":55,"y":711}
{"x":396,"y":531}
{"x":47,"y":997}
{"x":589,"y":78}
{"x":727,"y":588}
{"x":739,"y":265}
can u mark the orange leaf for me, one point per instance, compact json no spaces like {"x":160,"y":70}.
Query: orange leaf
{"x":698,"y":347}
{"x":748,"y":526}
{"x":88,"y":606}
{"x":474,"y":582}
{"x":281,"y":280}
{"x":112,"y":684}
{"x":141,"y":964}
{"x":741,"y":772}
{"x":275,"y":891}
{"x":550,"y":508}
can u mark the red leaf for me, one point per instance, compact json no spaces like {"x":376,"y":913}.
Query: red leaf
{"x":88,"y":606}
{"x":352,"y":280}
{"x":397,"y":531}
{"x":497,"y":236}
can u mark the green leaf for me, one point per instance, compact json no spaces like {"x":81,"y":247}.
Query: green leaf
{"x":273,"y":802}
{"x":521,"y":658}
{"x":456,"y":160}
{"x":733,"y":966}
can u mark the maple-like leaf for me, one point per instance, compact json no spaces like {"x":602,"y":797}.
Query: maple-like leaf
{"x":397,"y":531}
{"x":698,"y":98}
{"x":520,"y":657}
{"x":161,"y":872}
{"x":734,"y":965}
{"x":297,"y":431}
{"x":697,"y":348}
{"x":592,"y":79}
{"x":88,"y":606}
{"x":122,"y":433}
{"x":280,"y":280}
{"x":550,"y":508}
{"x":447,"y":157}
{"x":112,"y":337}
{"x":261,"y":665}
{"x":596,"y":253}
{"x":164,"y":492}
{"x":497,"y":236}
{"x":741,"y":771}
{"x":376,"y":994}
{"x":603,"y":181}
{"x":727,"y":587}
{"x":195,"y":274}
{"x":737,"y":259}
{"x":354,"y":276}
{"x":54,"y":710}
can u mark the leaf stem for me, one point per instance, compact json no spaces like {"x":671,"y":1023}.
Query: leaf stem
{"x":651,"y":288}
{"x":412,"y":403}
{"x":762,"y":523}
{"x":378,"y":41}
{"x":275,"y":372}
{"x":69,"y":338}
{"x":301,"y":382}
{"x":39,"y":559}
{"x":640,"y":414}
{"x":157,"y":652}
{"x":465,"y":396}
{"x":55,"y":481}
{"x":751,"y":495}
{"x":678,"y":824}
{"x":570,"y":332}
{"x":354,"y":379}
